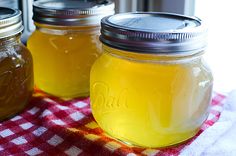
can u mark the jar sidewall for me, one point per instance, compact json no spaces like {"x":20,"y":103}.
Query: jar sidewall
{"x":20,"y":81}
{"x":103,"y":65}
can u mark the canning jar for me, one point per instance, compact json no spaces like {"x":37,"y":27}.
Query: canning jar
{"x":16,"y":68}
{"x":65,"y":44}
{"x":151,"y":86}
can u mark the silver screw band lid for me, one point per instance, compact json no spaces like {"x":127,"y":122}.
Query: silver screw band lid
{"x":71,"y":12}
{"x":152,"y":32}
{"x":10,"y":22}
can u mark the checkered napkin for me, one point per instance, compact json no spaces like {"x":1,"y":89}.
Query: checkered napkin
{"x":53,"y":126}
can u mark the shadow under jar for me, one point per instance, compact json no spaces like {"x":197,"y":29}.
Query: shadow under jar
{"x":65,"y":44}
{"x":151,"y":86}
{"x":16,"y":67}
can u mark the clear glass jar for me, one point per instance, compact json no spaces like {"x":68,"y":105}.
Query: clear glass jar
{"x":16,"y":66}
{"x":65,"y":45}
{"x":151,"y":88}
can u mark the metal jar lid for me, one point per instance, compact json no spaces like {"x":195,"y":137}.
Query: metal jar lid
{"x":149,"y":32}
{"x":71,"y":12}
{"x":10,"y":22}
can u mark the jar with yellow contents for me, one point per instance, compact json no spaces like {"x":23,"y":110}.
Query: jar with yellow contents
{"x":16,"y":66}
{"x":65,"y":44}
{"x":151,"y":86}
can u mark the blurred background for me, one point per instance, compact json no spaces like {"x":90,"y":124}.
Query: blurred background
{"x":218,"y":14}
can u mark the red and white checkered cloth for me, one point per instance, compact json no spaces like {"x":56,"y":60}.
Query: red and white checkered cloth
{"x":53,"y":126}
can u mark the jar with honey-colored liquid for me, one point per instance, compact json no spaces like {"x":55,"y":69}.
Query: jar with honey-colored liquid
{"x":66,"y":43}
{"x":151,"y":86}
{"x":16,"y":67}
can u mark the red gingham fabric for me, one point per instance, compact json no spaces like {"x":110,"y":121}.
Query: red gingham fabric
{"x":54,"y":126}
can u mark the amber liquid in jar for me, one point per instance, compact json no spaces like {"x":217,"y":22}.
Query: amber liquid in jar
{"x":150,"y":100}
{"x":63,"y":57}
{"x":16,"y":76}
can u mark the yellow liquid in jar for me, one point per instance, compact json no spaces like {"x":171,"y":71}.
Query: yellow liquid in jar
{"x":150,"y":104}
{"x":63,"y":57}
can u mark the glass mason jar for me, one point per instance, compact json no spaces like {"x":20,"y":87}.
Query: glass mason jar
{"x":151,"y":86}
{"x":65,"y":44}
{"x":16,"y":67}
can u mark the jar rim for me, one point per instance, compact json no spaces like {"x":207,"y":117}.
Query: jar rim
{"x":154,"y":32}
{"x":10,"y":22}
{"x":70,"y":12}
{"x":152,"y":57}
